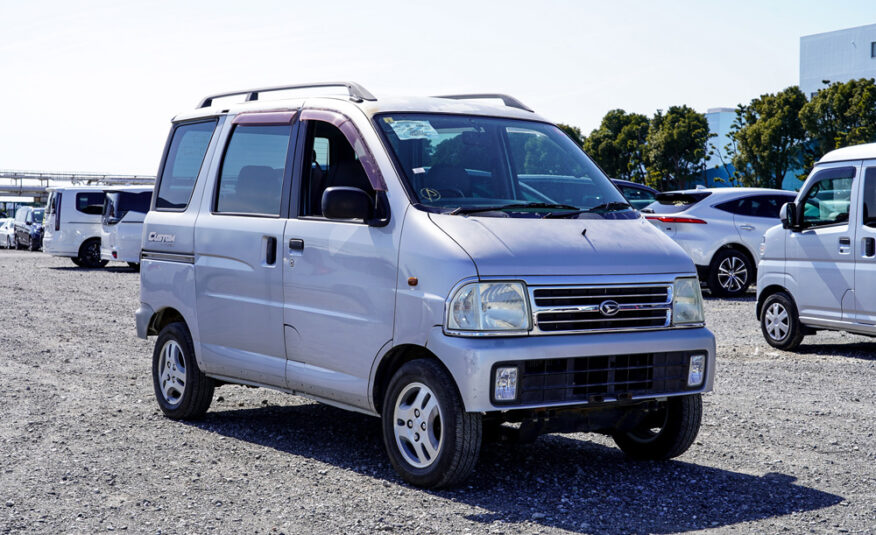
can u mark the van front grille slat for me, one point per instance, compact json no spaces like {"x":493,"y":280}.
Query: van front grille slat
{"x":601,"y":378}
{"x":577,"y":309}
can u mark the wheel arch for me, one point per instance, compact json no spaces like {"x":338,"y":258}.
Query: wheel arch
{"x":164,"y":317}
{"x":770,"y":290}
{"x":394,"y":359}
{"x":737,"y":247}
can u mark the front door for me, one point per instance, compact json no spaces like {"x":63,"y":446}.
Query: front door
{"x":820,"y":259}
{"x":238,"y":271}
{"x":340,"y":277}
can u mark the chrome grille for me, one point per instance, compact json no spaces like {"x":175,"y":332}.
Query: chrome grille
{"x":575,"y":309}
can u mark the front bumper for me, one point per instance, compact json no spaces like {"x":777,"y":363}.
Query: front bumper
{"x":471,"y":360}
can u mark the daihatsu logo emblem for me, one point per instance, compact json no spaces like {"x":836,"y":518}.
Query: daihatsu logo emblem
{"x":609,"y":307}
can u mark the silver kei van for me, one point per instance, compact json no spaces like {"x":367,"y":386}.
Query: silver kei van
{"x":458,"y":269}
{"x":817,"y":268}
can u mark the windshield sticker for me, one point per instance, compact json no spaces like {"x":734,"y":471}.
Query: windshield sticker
{"x":413,"y":130}
{"x":419,"y":170}
{"x":430,"y":194}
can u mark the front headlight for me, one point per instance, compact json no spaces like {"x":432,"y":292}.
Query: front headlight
{"x":489,"y":306}
{"x":687,"y":302}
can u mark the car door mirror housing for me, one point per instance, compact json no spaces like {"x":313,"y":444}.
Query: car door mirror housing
{"x":788,"y":215}
{"x":343,"y":202}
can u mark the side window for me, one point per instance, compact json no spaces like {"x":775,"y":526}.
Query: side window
{"x":329,"y":161}
{"x":182,"y":164}
{"x":90,"y":202}
{"x":771,"y":205}
{"x":251,"y":179}
{"x":827,"y":201}
{"x":870,"y":197}
{"x":736,"y":206}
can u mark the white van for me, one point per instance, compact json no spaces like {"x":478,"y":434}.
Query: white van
{"x":123,"y":212}
{"x":72,"y":225}
{"x":817,"y":269}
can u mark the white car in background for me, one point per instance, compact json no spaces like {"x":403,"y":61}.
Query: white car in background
{"x":7,"y":232}
{"x":721,"y":229}
{"x":122,"y":226}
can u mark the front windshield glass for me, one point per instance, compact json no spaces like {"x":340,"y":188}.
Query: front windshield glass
{"x":466,"y":164}
{"x":38,"y":215}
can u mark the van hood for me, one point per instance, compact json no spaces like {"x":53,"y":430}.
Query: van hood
{"x":505,"y":246}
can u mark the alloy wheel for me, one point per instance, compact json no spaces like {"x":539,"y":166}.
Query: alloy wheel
{"x":417,"y":425}
{"x":172,"y":372}
{"x":732,"y":274}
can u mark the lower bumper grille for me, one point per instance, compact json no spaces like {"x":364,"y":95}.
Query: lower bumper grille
{"x":601,"y":378}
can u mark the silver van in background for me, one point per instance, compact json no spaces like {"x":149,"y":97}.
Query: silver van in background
{"x":818,"y":268}
{"x":447,"y":265}
{"x":121,"y":229}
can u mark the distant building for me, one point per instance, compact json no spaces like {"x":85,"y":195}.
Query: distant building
{"x":837,"y":56}
{"x":718,"y":166}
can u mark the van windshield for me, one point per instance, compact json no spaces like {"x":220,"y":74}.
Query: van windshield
{"x":38,"y":215}
{"x":502,"y":167}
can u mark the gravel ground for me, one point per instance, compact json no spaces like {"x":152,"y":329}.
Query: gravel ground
{"x":787,"y":443}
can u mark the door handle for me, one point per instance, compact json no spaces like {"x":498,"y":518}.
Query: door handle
{"x":845,"y":245}
{"x":296,"y":244}
{"x":746,"y":227}
{"x":271,"y":250}
{"x":869,"y":247}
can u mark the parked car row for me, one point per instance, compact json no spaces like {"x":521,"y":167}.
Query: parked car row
{"x":93,"y":225}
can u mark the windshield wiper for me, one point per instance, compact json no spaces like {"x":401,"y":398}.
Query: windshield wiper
{"x":476,"y":209}
{"x":612,"y":206}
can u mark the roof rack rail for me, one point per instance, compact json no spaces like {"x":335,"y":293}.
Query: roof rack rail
{"x":508,"y":100}
{"x":357,"y":92}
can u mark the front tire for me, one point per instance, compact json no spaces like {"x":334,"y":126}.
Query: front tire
{"x":731,"y":272}
{"x":183,"y":392}
{"x":430,"y":439}
{"x":666,"y":433}
{"x":780,"y":323}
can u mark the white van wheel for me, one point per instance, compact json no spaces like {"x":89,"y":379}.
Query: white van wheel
{"x":430,"y":439}
{"x":89,"y":254}
{"x":779,"y":322}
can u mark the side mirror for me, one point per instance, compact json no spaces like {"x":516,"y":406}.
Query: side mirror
{"x":788,"y":215}
{"x":343,"y":202}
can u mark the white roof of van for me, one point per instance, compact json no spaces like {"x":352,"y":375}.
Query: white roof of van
{"x":866,"y":151}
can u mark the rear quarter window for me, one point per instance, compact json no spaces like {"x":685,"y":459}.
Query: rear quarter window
{"x":90,"y":202}
{"x":185,"y":155}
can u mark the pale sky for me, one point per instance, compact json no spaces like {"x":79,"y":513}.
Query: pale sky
{"x":92,"y":85}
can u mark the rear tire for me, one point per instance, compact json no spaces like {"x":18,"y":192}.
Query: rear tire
{"x":89,"y":254}
{"x":731,"y":272}
{"x":668,"y":433}
{"x":76,"y":261}
{"x":430,"y":439}
{"x":183,"y":392}
{"x":780,"y":323}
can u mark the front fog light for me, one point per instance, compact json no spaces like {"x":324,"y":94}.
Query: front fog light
{"x":696,"y":371}
{"x":506,"y":384}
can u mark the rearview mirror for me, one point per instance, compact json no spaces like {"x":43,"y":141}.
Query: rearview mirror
{"x":788,"y":215}
{"x":343,"y":202}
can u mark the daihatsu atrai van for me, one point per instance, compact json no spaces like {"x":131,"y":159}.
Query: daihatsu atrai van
{"x":122,"y":224}
{"x":72,"y":224}
{"x":445,"y":265}
{"x":817,"y":268}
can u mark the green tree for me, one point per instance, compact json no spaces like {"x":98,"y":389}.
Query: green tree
{"x":573,"y":132}
{"x":618,"y":145}
{"x":840,"y":115}
{"x":767,"y":138}
{"x":676,"y":149}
